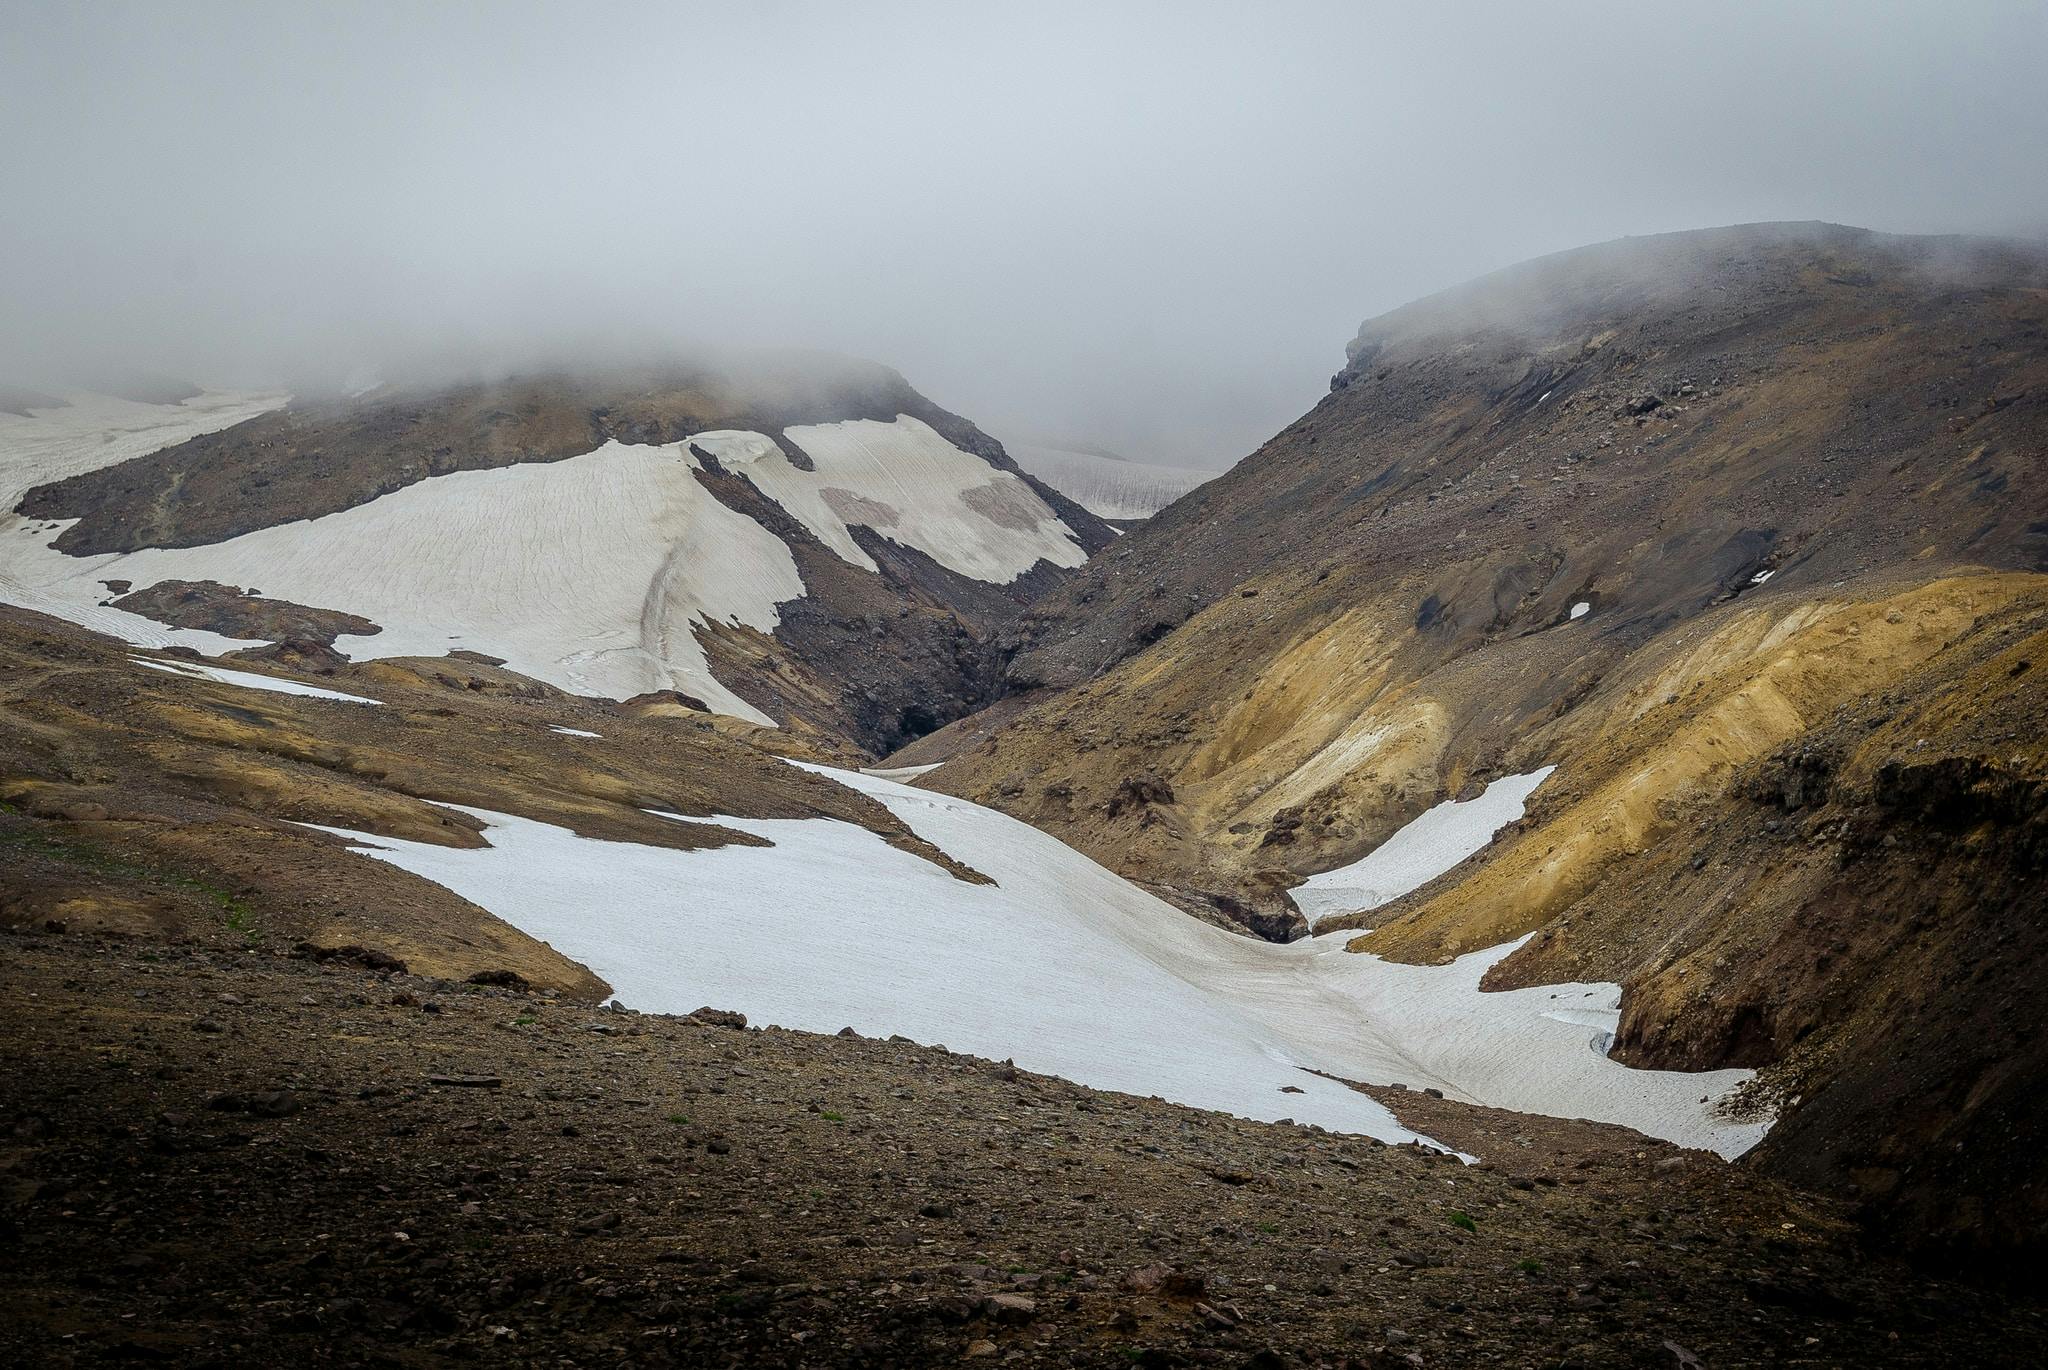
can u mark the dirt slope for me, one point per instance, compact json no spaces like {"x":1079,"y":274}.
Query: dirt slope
{"x":279,"y":1162}
{"x":1817,"y":405}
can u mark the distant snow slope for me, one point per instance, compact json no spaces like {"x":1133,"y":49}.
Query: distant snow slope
{"x":588,"y":573}
{"x":1419,"y":852}
{"x":84,"y":434}
{"x":1106,"y":487}
{"x":591,"y":573}
{"x":909,"y":484}
{"x":91,"y":431}
{"x":1061,"y":964}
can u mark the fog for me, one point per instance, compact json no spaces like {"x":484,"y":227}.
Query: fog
{"x":1146,"y":227}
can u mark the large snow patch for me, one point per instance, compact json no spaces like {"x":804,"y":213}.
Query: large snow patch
{"x":1060,"y":964}
{"x":590,"y":573}
{"x":85,"y":433}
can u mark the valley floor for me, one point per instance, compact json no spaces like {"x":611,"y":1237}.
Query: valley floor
{"x":239,"y":1158}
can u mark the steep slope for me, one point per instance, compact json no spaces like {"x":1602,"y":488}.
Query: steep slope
{"x":1513,"y":489}
{"x":1668,"y":414}
{"x":799,"y":540}
{"x":1695,"y":521}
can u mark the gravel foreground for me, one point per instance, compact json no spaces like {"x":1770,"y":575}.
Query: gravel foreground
{"x":235,"y":1159}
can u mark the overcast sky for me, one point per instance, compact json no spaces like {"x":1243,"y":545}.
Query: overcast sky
{"x":1152,"y":227}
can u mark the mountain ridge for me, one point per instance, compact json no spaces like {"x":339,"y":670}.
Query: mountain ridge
{"x":861,"y":617}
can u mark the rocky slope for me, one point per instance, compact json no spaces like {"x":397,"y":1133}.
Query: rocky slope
{"x":801,"y":540}
{"x":1680,"y":517}
{"x":279,"y":1161}
{"x":1650,"y":430}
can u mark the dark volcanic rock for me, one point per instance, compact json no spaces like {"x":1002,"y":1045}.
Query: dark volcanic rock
{"x":234,"y":612}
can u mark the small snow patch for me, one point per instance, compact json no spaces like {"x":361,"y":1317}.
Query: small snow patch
{"x":900,"y":773}
{"x":1418,"y":853}
{"x":248,"y":680}
{"x":574,"y":732}
{"x":1761,"y":576}
{"x":1582,"y":608}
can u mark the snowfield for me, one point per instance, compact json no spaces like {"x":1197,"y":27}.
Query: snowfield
{"x":1106,"y":486}
{"x":591,"y":573}
{"x":587,"y":573}
{"x":1419,"y":852}
{"x":1061,"y":965}
{"x":85,"y":434}
{"x":90,"y":431}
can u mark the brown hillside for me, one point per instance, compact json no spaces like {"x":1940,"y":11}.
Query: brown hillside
{"x":1796,"y":474}
{"x":139,"y":802}
{"x":1375,"y":607}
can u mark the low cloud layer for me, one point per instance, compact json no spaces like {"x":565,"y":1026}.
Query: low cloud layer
{"x":1148,"y":227}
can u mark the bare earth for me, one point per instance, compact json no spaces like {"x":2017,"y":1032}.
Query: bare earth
{"x":219,"y":1157}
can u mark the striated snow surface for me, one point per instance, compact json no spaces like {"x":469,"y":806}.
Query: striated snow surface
{"x":910,"y":485}
{"x":1105,"y":486}
{"x":1061,"y":965}
{"x":1419,"y":852}
{"x":84,"y":434}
